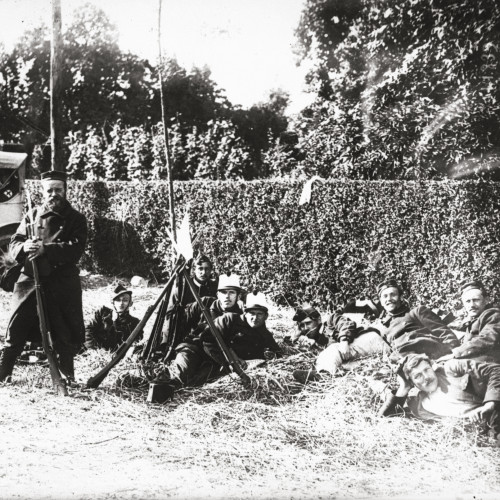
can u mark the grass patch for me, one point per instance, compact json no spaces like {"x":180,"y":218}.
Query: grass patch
{"x":221,"y":440}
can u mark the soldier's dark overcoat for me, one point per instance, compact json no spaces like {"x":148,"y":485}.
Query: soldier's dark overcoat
{"x":64,"y":234}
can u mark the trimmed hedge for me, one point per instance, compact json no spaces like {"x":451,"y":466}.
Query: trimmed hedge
{"x":430,"y":235}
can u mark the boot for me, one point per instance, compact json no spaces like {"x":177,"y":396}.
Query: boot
{"x":7,"y":361}
{"x":305,"y":376}
{"x":67,"y":366}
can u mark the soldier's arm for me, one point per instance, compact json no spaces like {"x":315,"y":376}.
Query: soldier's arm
{"x":193,"y":312}
{"x":95,"y":330}
{"x":392,"y":406}
{"x":64,"y":252}
{"x":318,"y":336}
{"x":489,"y":373}
{"x":433,"y":322}
{"x":488,"y":338}
{"x":225,"y":324}
{"x":341,"y":328}
{"x":16,"y":247}
{"x":271,"y":344}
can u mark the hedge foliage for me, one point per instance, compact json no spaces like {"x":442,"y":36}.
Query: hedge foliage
{"x":431,"y":235}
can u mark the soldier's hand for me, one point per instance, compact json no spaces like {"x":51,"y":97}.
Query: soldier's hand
{"x":404,"y":386}
{"x":481,"y":413}
{"x":306,"y":341}
{"x":32,"y":245}
{"x":36,"y":252}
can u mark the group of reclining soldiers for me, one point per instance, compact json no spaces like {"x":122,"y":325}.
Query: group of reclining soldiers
{"x":454,"y":367}
{"x":454,"y":364}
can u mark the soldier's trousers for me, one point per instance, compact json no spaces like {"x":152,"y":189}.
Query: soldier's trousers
{"x":192,"y":366}
{"x":23,"y":324}
{"x":367,"y":344}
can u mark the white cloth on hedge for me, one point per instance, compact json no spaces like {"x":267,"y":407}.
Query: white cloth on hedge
{"x":305,"y":196}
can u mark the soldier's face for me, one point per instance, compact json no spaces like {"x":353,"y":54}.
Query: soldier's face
{"x":122,"y":303}
{"x":307,"y":325}
{"x":474,"y":302}
{"x":54,"y":193}
{"x":256,"y":317}
{"x":202,"y":271}
{"x":424,"y":377}
{"x":390,"y":299}
{"x":227,"y":298}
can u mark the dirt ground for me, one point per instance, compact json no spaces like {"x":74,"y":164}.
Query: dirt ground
{"x":223,"y":441}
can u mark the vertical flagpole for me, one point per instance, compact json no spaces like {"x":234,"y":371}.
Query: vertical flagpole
{"x":168,"y":162}
{"x":56,"y":88}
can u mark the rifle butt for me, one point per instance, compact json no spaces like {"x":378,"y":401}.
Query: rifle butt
{"x":95,"y":381}
{"x":61,"y":389}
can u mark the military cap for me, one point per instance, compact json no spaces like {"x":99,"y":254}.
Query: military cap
{"x":471,"y":285}
{"x":54,"y":175}
{"x":388,"y":283}
{"x":301,"y":313}
{"x":120,"y":290}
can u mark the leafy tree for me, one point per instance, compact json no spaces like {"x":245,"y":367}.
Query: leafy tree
{"x":24,"y":104}
{"x":111,"y":109}
{"x":192,"y":98}
{"x":405,"y":89}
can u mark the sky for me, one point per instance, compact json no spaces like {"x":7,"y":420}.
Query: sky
{"x":247,"y":44}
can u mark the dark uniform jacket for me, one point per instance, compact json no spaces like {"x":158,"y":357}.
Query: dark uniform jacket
{"x":341,"y":328}
{"x":420,"y":331}
{"x":467,"y":382}
{"x":247,"y":342}
{"x":181,"y":297}
{"x":482,"y":337}
{"x":64,"y":235}
{"x":103,"y":332}
{"x":195,"y":321}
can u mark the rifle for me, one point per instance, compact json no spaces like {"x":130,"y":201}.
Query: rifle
{"x":47,"y":343}
{"x":95,"y":381}
{"x":175,"y":323}
{"x":229,"y":354}
{"x":153,"y":340}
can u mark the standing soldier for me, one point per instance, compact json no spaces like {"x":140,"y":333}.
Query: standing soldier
{"x":60,"y":233}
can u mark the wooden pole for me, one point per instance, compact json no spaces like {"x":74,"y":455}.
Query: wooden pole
{"x":168,"y":161}
{"x":56,"y":89}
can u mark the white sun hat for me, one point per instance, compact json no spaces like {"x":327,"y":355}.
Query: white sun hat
{"x":229,"y":282}
{"x":256,"y":300}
